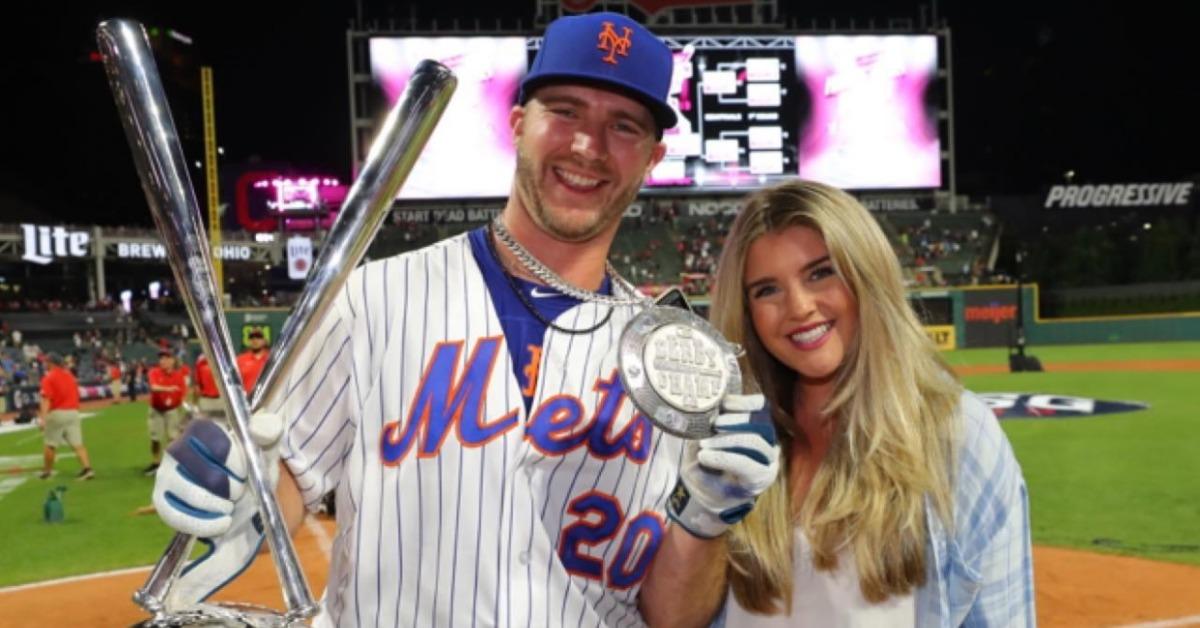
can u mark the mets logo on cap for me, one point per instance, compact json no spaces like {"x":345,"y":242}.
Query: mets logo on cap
{"x":614,"y":44}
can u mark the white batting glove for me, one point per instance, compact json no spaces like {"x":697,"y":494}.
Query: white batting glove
{"x":204,"y":474}
{"x":224,"y":559}
{"x":722,"y":475}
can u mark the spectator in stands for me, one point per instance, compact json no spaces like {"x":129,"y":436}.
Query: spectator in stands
{"x":900,"y":501}
{"x":59,"y":418}
{"x":250,"y":362}
{"x":168,"y":385}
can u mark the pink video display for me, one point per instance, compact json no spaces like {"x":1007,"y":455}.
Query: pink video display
{"x":856,"y":111}
{"x":870,"y":123}
{"x":470,"y":154}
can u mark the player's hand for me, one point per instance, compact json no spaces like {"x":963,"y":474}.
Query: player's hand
{"x":225,"y":555}
{"x":722,"y":475}
{"x":204,"y":474}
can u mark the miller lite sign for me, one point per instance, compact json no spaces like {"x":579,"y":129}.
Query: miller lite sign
{"x":43,"y":244}
{"x":299,"y":255}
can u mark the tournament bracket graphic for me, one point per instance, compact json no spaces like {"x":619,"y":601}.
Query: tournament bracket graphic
{"x":738,"y":111}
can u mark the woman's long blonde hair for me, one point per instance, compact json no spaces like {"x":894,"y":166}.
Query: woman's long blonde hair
{"x":894,"y":406}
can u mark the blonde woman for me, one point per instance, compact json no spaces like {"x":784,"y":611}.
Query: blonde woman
{"x":899,"y":502}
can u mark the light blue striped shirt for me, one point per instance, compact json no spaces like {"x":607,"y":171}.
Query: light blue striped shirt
{"x":980,"y":573}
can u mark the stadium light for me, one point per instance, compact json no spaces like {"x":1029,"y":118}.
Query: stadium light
{"x":179,"y":37}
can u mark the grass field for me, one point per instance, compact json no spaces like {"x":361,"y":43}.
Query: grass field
{"x":1123,"y":483}
{"x":99,"y":532}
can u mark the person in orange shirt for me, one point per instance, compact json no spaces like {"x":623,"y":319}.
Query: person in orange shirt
{"x":168,"y":385}
{"x":59,"y":417}
{"x":250,"y":362}
{"x":208,"y":396}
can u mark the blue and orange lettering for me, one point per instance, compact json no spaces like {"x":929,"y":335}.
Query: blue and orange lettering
{"x":443,"y":398}
{"x":643,"y":536}
{"x":552,"y":430}
{"x":531,"y":370}
{"x":598,"y":520}
{"x":633,"y":441}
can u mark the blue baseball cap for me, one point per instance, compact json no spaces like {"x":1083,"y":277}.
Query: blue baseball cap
{"x":608,"y":50}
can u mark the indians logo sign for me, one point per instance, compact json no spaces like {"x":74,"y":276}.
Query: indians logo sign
{"x":1048,"y":406}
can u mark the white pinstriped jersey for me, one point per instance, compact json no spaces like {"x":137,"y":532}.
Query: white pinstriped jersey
{"x":455,"y":506}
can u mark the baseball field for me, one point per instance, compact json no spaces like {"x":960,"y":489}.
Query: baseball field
{"x":1115,"y":498}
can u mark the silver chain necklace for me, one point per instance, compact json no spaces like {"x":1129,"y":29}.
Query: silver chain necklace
{"x":550,"y":278}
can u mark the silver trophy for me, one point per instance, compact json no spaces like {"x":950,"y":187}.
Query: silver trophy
{"x":676,"y":367}
{"x":146,"y":117}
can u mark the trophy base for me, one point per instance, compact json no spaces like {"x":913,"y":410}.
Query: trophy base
{"x":224,"y":615}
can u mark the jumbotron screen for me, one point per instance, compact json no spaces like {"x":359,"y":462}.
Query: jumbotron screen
{"x":855,"y":111}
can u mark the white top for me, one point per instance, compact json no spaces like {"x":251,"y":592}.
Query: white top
{"x":829,"y":599}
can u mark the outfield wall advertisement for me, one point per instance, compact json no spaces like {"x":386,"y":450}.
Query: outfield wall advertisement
{"x":989,"y":317}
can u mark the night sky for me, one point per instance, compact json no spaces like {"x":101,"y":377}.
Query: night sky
{"x":1109,"y":94}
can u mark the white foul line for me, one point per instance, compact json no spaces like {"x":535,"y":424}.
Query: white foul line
{"x":90,"y":576}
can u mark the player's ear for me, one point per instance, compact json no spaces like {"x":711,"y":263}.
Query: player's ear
{"x":516,"y":121}
{"x":656,"y":155}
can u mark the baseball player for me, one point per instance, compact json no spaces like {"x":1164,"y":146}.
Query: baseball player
{"x":164,"y":422}
{"x":488,"y":466}
{"x":59,"y":417}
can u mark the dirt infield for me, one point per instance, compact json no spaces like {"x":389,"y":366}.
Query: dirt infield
{"x":1074,"y":589}
{"x":1089,"y":366}
{"x":106,"y":600}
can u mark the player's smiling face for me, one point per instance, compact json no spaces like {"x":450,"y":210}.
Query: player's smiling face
{"x":582,"y":155}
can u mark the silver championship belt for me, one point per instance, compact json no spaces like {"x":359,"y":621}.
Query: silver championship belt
{"x":676,"y":367}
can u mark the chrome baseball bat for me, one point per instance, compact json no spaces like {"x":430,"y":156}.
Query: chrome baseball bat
{"x":388,"y":164}
{"x":145,"y":114}
{"x":393,"y":153}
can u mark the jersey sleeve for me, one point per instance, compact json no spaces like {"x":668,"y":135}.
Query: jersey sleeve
{"x":325,"y":389}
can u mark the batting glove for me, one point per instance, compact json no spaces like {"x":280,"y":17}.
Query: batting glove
{"x":204,"y":474}
{"x":225,"y":558}
{"x":722,"y":475}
